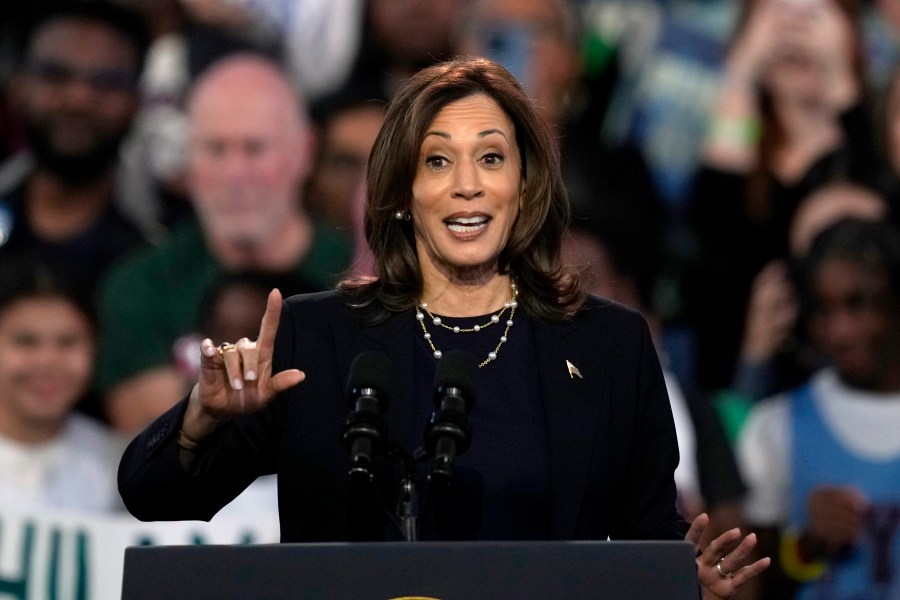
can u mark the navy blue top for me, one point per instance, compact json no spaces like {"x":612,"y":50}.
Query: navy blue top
{"x":501,"y":483}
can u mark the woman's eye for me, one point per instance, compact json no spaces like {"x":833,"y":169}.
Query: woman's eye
{"x":435,"y":161}
{"x":492,"y":158}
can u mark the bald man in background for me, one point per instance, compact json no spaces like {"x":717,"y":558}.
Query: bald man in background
{"x":250,"y":152}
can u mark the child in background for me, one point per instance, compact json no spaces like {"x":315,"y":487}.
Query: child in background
{"x":822,"y":461}
{"x":51,"y":456}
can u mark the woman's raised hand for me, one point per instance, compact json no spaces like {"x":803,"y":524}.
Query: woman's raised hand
{"x":237,"y":378}
{"x":723,"y":566}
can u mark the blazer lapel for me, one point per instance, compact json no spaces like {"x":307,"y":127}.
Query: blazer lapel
{"x":391,"y":337}
{"x":574,"y":387}
{"x":394,"y":338}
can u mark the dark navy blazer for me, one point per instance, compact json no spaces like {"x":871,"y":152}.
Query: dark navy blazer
{"x":611,"y":436}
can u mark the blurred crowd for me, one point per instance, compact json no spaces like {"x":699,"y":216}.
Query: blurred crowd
{"x":733,"y":165}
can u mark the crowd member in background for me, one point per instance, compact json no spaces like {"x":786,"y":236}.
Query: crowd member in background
{"x":153,"y":153}
{"x":400,"y":38}
{"x":75,"y":89}
{"x":346,"y":126}
{"x":184,"y":42}
{"x":315,"y":40}
{"x":790,"y":117}
{"x":770,"y":324}
{"x":776,"y":353}
{"x":51,"y":456}
{"x":823,"y":460}
{"x":249,"y":157}
{"x":669,"y":60}
{"x":828,"y":205}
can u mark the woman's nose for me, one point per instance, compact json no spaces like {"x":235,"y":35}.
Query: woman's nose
{"x":467,"y":181}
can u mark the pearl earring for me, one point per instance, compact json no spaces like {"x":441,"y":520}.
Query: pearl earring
{"x":402,"y":215}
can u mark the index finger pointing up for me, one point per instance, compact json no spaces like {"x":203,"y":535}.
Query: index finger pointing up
{"x":269,"y":326}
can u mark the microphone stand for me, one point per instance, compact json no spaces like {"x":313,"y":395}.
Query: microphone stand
{"x":408,"y":502}
{"x":409,"y":509}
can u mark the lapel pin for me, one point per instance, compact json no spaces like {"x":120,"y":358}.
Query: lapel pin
{"x":573,"y":371}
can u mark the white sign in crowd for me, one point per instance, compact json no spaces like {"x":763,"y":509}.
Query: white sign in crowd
{"x":50,"y":555}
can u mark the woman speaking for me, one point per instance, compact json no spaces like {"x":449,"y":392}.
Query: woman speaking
{"x":471,"y":390}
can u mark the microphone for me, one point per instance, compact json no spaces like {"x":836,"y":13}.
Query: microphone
{"x":448,"y":435}
{"x":368,"y":394}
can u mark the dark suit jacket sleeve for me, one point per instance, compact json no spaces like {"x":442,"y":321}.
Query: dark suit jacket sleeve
{"x":612,"y":437}
{"x":155,"y":487}
{"x":649,"y":494}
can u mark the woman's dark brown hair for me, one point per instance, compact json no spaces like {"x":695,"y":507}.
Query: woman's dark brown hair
{"x":532,"y":253}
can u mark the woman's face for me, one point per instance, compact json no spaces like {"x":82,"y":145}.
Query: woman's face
{"x":46,"y":360}
{"x":467,"y":190}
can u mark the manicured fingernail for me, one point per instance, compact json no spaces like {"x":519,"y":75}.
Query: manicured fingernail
{"x":237,"y":384}
{"x":209,"y":350}
{"x":250,"y":376}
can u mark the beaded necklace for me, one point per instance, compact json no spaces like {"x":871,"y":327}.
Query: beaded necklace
{"x":511,"y":304}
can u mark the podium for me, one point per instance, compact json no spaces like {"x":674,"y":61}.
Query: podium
{"x":433,"y":570}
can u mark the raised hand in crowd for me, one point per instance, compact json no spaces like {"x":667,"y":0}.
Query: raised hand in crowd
{"x":771,"y":313}
{"x":836,"y":517}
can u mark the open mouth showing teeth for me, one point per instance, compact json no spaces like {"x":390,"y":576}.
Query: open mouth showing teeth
{"x":467,"y":224}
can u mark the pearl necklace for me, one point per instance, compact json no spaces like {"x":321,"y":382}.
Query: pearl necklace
{"x":512,"y":304}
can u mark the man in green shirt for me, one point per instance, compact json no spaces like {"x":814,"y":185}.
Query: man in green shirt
{"x":249,"y":154}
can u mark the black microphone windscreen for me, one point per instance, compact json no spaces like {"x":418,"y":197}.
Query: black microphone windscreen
{"x":370,"y":370}
{"x":456,"y":368}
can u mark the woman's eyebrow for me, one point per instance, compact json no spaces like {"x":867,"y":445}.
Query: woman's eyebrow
{"x":446,"y":135}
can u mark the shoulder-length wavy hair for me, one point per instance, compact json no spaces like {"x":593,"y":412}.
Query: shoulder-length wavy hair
{"x":532,"y":252}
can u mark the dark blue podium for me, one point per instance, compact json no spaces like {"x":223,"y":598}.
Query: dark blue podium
{"x":441,"y":570}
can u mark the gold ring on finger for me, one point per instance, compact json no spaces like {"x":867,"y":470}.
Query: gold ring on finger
{"x":723,"y":574}
{"x":225,"y":347}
